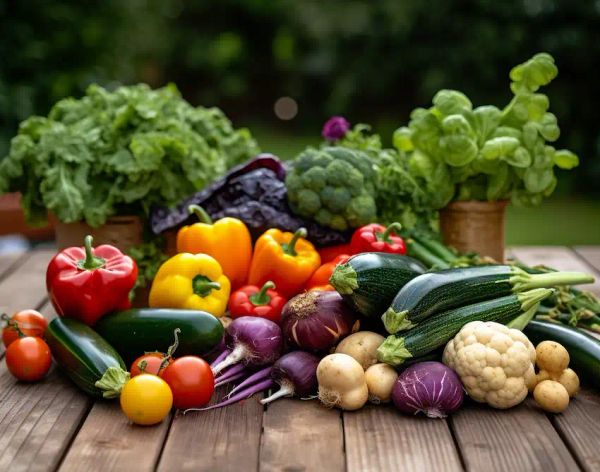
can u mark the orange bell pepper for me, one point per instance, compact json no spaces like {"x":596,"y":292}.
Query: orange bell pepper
{"x":285,"y":258}
{"x":320,"y":279}
{"x":227,"y":240}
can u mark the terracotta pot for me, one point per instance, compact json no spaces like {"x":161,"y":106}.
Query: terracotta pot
{"x":120,"y":231}
{"x":12,"y":219}
{"x":475,"y":226}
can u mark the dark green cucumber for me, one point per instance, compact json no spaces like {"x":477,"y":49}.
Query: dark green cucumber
{"x":584,"y":350}
{"x":133,"y":332}
{"x":434,"y":292}
{"x":370,"y":281}
{"x":440,"y":328}
{"x":86,"y":358}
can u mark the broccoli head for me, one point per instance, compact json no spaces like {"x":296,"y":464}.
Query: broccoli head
{"x":334,"y":186}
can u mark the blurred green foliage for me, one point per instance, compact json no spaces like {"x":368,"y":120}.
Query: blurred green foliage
{"x":369,"y":60}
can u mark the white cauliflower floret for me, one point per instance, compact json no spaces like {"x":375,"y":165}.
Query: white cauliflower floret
{"x":495,"y":363}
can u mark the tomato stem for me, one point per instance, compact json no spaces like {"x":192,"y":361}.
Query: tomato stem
{"x":171,"y":350}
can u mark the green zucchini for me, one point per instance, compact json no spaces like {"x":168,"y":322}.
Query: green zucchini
{"x":434,"y":292}
{"x":440,"y":328}
{"x":584,"y":350}
{"x":86,"y":358}
{"x":133,"y":332}
{"x":370,"y":281}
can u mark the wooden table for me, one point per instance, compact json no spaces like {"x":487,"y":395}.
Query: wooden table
{"x":51,"y":425}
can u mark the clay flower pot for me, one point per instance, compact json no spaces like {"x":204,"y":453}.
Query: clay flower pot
{"x":122,"y":232}
{"x":475,"y":226}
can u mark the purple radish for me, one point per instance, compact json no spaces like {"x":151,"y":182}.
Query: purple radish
{"x":247,"y":393}
{"x":220,"y":357}
{"x":253,"y":379}
{"x":296,"y":374}
{"x":253,"y":341}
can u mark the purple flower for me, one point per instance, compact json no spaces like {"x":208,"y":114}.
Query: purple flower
{"x":335,"y":128}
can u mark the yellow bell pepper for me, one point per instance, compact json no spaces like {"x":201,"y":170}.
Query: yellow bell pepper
{"x":192,"y":281}
{"x":287,"y":259}
{"x":227,"y":240}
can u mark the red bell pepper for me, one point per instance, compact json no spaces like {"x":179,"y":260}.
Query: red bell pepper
{"x":263,"y":302}
{"x":86,"y":283}
{"x":329,"y":253}
{"x":320,"y":279}
{"x":378,"y":238}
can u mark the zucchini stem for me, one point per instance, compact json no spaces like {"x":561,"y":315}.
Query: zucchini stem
{"x":344,"y":279}
{"x":522,"y":281}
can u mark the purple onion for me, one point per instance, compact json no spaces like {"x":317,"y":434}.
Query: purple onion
{"x":335,"y":128}
{"x":253,"y":341}
{"x":316,"y":321}
{"x":428,"y":387}
{"x":296,"y":374}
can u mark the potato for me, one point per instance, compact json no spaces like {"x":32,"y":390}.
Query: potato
{"x":551,"y":356}
{"x":551,"y":396}
{"x":342,"y":382}
{"x":362,"y":346}
{"x":380,"y":381}
{"x":570,"y":381}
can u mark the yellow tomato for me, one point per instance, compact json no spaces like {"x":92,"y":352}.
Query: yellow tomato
{"x":146,"y":399}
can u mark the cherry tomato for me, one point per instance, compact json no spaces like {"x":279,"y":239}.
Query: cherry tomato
{"x":28,"y":358}
{"x":30,"y":322}
{"x":146,"y":399}
{"x":153,"y":362}
{"x":191,"y":380}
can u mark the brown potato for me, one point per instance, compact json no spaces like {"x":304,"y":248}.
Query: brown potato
{"x":551,"y":396}
{"x":570,"y":381}
{"x":551,"y":356}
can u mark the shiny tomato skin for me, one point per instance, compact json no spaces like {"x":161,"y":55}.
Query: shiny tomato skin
{"x":191,"y":380}
{"x":30,"y":322}
{"x":153,"y":362}
{"x":146,"y":399}
{"x":28,"y":359}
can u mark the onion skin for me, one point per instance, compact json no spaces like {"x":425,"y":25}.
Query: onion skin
{"x":315,"y":321}
{"x":429,"y":387}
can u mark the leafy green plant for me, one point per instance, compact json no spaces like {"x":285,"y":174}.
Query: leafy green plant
{"x":119,"y":153}
{"x":457,"y":152}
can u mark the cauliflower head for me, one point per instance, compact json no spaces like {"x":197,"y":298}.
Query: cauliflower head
{"x":494,"y":363}
{"x":333,"y":186}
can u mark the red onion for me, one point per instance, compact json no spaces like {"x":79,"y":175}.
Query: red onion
{"x":296,"y":374}
{"x":316,"y":321}
{"x":253,"y":341}
{"x":428,"y":387}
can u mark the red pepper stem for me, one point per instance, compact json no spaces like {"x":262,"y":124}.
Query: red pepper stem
{"x":261,"y":297}
{"x":290,"y":248}
{"x":90,"y":262}
{"x":393,"y":228}
{"x":201,"y":213}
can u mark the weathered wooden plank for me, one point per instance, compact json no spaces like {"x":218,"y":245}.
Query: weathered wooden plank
{"x":518,"y":439}
{"x":378,"y":438}
{"x":591,"y":254}
{"x":37,"y":421}
{"x":557,"y":257}
{"x":301,"y":436}
{"x":224,"y":439}
{"x":9,"y":261}
{"x":25,"y":287}
{"x":108,"y":442}
{"x":580,"y":427}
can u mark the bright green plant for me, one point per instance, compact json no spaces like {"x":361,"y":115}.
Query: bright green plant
{"x":457,"y":152}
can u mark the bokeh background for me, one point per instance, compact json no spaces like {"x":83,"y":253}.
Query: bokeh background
{"x":281,"y":67}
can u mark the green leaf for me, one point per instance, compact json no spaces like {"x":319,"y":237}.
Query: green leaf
{"x":538,"y":71}
{"x":402,"y":139}
{"x":61,"y":194}
{"x":536,"y":180}
{"x":520,"y":158}
{"x":497,"y":148}
{"x":565,"y":159}
{"x":450,"y":102}
{"x":484,"y":120}
{"x":458,"y":150}
{"x":498,"y":183}
{"x":548,"y":127}
{"x":426,"y":131}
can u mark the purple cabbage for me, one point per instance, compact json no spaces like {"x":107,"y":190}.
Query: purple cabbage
{"x":335,"y":128}
{"x":429,"y":387}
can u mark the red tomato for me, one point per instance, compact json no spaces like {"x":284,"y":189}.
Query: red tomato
{"x":191,"y":381}
{"x":28,"y":358}
{"x":153,"y":362}
{"x":30,"y":322}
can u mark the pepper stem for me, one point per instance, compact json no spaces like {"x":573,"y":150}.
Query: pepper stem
{"x":90,"y":262}
{"x":393,"y":228}
{"x":202,"y":285}
{"x":262,"y":297}
{"x":201,"y":213}
{"x":290,"y":248}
